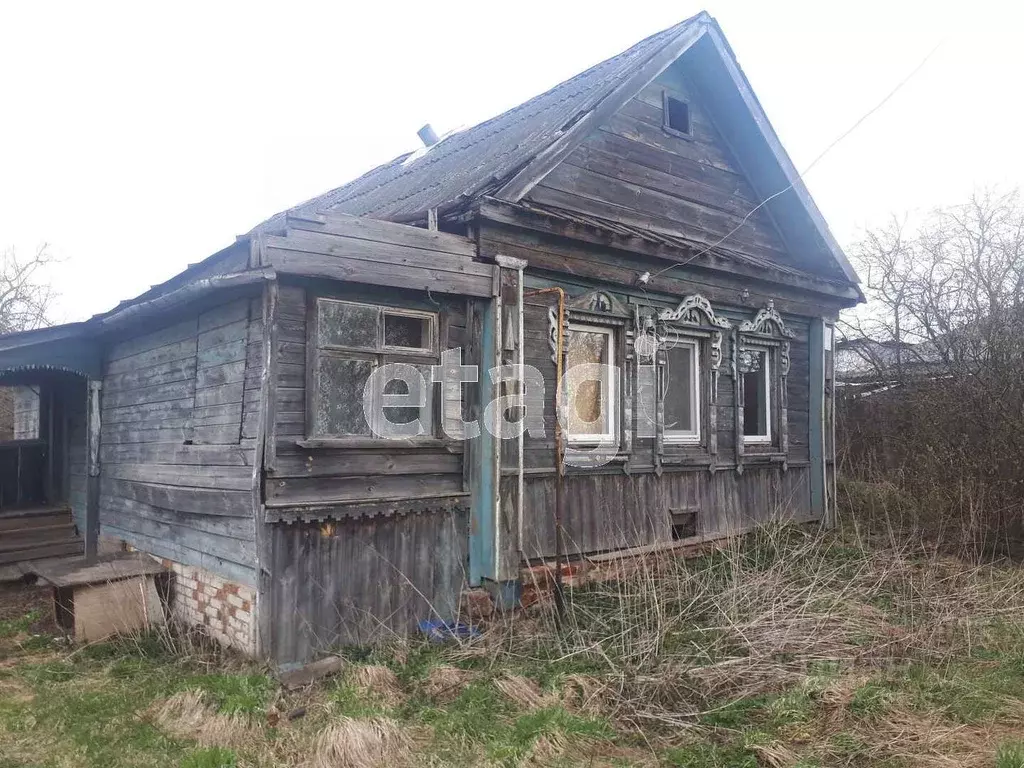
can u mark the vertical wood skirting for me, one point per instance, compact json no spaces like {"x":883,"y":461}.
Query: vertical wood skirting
{"x":92,"y":504}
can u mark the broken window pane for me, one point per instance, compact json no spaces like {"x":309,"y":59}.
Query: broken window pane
{"x":343,"y":324}
{"x":680,"y":390}
{"x":756,"y":399}
{"x":406,"y":331}
{"x":339,"y":402}
{"x":589,"y":401}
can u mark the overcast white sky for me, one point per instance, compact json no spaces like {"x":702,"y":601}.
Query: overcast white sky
{"x":136,"y":140}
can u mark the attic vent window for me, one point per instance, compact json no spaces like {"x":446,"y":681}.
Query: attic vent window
{"x":677,"y":116}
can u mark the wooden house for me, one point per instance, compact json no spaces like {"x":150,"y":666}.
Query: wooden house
{"x":642,"y":215}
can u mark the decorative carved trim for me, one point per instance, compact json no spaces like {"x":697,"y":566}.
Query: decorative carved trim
{"x":689,"y":311}
{"x":553,"y":333}
{"x":599,"y":303}
{"x":695,"y":310}
{"x":763,"y":322}
{"x":748,"y":360}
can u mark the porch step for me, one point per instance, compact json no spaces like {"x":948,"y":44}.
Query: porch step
{"x":40,"y":550}
{"x":38,"y":532}
{"x":60,"y":531}
{"x":19,"y":519}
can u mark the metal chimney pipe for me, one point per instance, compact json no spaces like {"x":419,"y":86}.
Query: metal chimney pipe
{"x":427,"y":135}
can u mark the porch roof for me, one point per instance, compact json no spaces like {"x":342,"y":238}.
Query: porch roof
{"x":68,"y":348}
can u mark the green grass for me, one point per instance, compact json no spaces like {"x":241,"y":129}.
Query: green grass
{"x":1010,"y":755}
{"x":98,"y":705}
{"x":710,"y":755}
{"x":239,"y":694}
{"x":12,"y":627}
{"x":210,"y":757}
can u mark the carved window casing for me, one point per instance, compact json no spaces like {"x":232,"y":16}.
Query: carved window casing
{"x":596,"y":331}
{"x":760,"y":363}
{"x":679,"y":359}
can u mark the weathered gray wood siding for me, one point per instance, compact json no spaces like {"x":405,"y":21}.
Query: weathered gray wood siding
{"x":344,"y":475}
{"x":626,"y":503}
{"x":177,"y":447}
{"x":73,"y":399}
{"x":632,"y":171}
{"x":363,"y":580}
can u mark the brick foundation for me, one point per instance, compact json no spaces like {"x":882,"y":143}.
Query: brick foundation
{"x":226,"y":610}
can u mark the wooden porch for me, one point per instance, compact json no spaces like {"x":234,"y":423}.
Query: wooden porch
{"x":37,"y":532}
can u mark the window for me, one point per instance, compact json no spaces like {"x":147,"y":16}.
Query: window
{"x":682,"y":393}
{"x":591,"y":397}
{"x":757,"y":397}
{"x":351,"y":341}
{"x":19,"y":413}
{"x":677,"y":116}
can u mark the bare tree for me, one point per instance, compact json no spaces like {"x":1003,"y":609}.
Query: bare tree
{"x":25,"y":293}
{"x":946,"y":309}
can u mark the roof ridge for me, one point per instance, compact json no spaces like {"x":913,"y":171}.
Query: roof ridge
{"x":591,"y":86}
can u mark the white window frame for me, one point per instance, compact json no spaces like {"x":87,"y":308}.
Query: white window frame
{"x":682,"y":436}
{"x":766,"y":369}
{"x":609,"y":403}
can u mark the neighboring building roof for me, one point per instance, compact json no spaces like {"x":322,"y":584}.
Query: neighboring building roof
{"x":864,"y":360}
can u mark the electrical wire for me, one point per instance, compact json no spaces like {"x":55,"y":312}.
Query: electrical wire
{"x":801,"y":174}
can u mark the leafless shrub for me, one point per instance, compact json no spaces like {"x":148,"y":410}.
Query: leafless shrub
{"x":936,"y":406}
{"x":26,"y":296}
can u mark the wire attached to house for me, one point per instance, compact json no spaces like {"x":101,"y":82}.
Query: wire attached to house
{"x":646,"y":277}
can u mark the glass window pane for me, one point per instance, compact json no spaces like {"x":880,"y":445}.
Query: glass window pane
{"x":755,"y":399}
{"x":339,"y":402}
{"x":407,"y":332}
{"x":588,"y":406}
{"x":347,"y":325}
{"x":19,"y":413}
{"x":679,"y":405}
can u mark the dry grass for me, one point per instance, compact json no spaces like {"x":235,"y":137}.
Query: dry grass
{"x":523,"y":692}
{"x":379,"y":682}
{"x":190,"y":715}
{"x":788,"y":647}
{"x":370,"y":743}
{"x":444,"y":683}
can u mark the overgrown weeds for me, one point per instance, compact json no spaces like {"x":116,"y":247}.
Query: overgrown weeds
{"x":790,"y":647}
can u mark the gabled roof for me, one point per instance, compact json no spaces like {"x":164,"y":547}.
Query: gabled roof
{"x":475,"y":161}
{"x":506,"y":156}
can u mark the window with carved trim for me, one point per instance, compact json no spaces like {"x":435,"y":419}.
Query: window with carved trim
{"x":762,"y":368}
{"x":681,"y":350}
{"x":347,"y":343}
